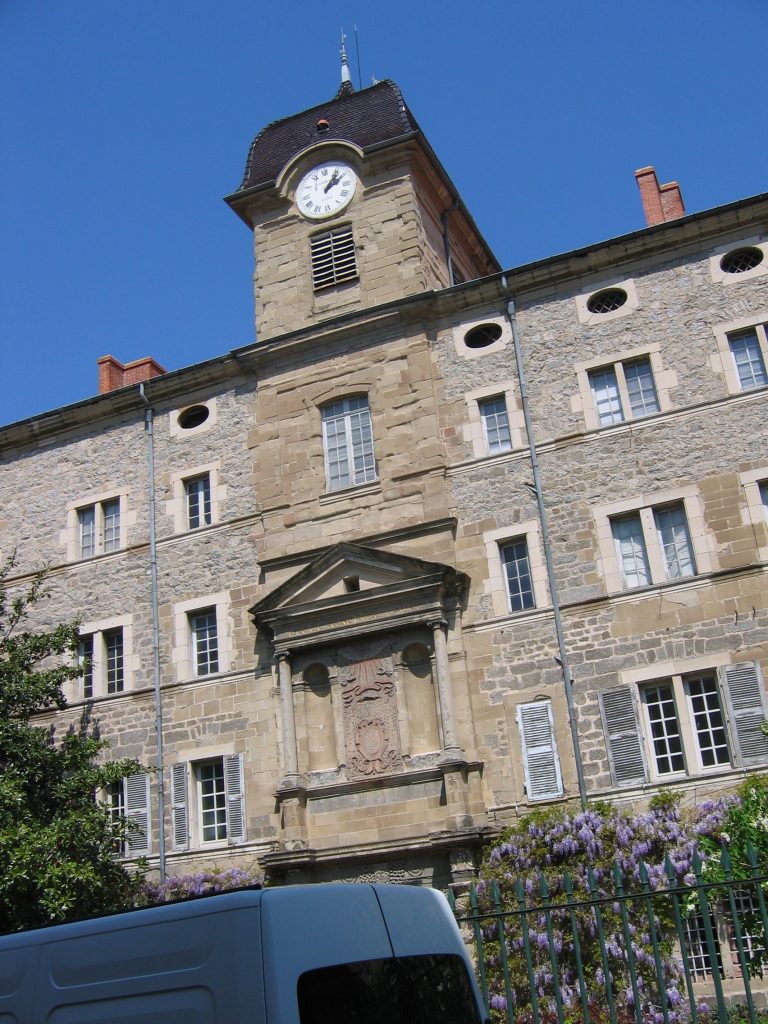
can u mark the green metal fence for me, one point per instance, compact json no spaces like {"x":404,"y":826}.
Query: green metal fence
{"x":643,"y":949}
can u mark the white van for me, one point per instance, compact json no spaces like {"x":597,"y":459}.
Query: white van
{"x":314,"y":954}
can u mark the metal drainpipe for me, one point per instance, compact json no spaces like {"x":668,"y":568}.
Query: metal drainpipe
{"x":553,"y":592}
{"x":149,"y":427}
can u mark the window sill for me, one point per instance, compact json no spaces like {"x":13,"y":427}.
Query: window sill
{"x":690,"y":776}
{"x":630,"y":593}
{"x":191,"y":530}
{"x":627,"y":422}
{"x":509,"y":618}
{"x":101,"y":698}
{"x":724,"y":778}
{"x":99,"y":555}
{"x":356,"y":491}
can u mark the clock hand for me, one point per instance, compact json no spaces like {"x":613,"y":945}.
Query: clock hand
{"x":332,"y":182}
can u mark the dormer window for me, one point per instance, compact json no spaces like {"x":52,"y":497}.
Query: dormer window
{"x":332,"y":255}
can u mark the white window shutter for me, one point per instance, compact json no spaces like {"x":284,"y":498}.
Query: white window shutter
{"x":179,"y":810}
{"x":543,"y":779}
{"x":233,"y":782}
{"x":625,"y":747}
{"x":137,"y":812}
{"x":747,"y":711}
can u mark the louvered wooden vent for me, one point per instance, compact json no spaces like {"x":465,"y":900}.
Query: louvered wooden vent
{"x":333,"y":258}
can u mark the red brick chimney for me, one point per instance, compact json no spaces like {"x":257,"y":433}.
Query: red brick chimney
{"x":660,"y":202}
{"x":113,"y":374}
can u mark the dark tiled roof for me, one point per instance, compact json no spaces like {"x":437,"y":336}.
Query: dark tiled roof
{"x":371,"y":116}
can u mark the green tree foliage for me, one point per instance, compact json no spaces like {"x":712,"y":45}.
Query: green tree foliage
{"x":745,"y":825}
{"x":744,"y":838}
{"x":57,"y":841}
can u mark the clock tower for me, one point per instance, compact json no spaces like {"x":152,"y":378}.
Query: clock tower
{"x":350,"y":208}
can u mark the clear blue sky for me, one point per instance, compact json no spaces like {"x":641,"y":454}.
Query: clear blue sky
{"x":124,"y":123}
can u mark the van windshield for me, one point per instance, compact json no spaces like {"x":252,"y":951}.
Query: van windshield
{"x":404,"y":990}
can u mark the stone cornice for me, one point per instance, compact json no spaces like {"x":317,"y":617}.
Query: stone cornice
{"x":281,"y":861}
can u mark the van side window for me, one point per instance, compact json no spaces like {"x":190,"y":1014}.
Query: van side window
{"x":413,"y":989}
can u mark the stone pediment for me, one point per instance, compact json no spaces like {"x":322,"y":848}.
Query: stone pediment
{"x":350,"y":590}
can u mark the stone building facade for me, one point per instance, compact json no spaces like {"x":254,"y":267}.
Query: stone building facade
{"x":445,"y":544}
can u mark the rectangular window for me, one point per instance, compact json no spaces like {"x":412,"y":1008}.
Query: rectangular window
{"x":643,"y":400}
{"x":517,"y":571}
{"x":205,"y":642}
{"x":115,"y":799}
{"x":212,"y":801}
{"x":541,"y":763}
{"x":683,"y":728}
{"x":493,"y":413}
{"x":111,"y":524}
{"x":348,"y":443}
{"x":752,"y":934}
{"x":653,"y":545}
{"x":624,"y":390}
{"x":129,"y":798}
{"x":197,"y":493}
{"x":98,"y":528}
{"x":748,"y":358}
{"x":101,"y":654}
{"x":675,"y":542}
{"x":631,"y":552}
{"x":85,"y":660}
{"x":208,"y":801}
{"x":697,"y":949}
{"x":664,"y":729}
{"x":708,"y":720}
{"x":605,"y":391}
{"x":115,"y":672}
{"x":332,"y":255}
{"x":763,"y":485}
{"x":684,"y":725}
{"x":86,"y":522}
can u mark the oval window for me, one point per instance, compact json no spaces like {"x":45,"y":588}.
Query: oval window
{"x":607,"y":301}
{"x":193,"y":416}
{"x":482,"y":336}
{"x":740,"y":260}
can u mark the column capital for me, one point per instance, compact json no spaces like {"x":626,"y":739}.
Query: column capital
{"x":282,"y":656}
{"x":437,"y":621}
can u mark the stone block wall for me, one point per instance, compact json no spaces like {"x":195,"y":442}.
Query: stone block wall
{"x":437,"y":496}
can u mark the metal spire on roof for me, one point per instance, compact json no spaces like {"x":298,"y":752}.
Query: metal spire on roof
{"x":346,"y":78}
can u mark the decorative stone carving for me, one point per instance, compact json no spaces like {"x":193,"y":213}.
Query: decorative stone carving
{"x":366,"y":680}
{"x":369,"y":699}
{"x":374,"y":754}
{"x":397,"y":871}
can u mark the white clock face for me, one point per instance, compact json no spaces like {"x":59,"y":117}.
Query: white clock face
{"x":325,"y":190}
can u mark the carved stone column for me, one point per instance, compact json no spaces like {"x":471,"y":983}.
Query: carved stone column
{"x":338,"y":716}
{"x":451,"y":749}
{"x":290,"y":779}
